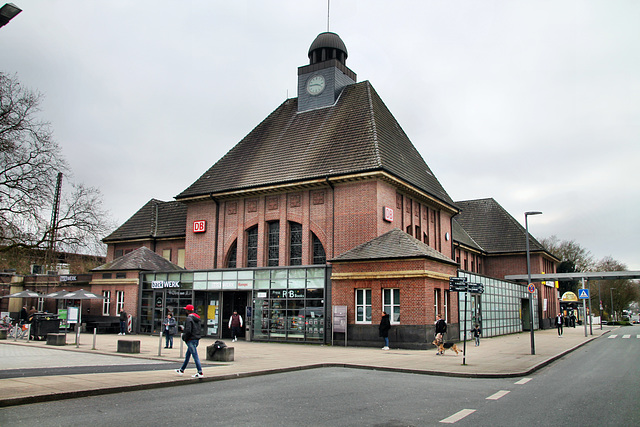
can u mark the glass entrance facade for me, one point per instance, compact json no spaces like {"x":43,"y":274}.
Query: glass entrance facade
{"x":287,"y":304}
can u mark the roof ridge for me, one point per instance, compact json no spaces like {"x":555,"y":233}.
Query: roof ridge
{"x":374,"y":126}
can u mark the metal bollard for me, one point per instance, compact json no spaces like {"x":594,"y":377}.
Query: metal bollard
{"x":95,"y":331}
{"x":160,"y":344}
{"x":181,"y":349}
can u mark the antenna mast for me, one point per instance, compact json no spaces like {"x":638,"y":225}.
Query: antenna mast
{"x":328,"y":5}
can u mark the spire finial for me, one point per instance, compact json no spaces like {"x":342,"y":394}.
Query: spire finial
{"x":328,"y":8}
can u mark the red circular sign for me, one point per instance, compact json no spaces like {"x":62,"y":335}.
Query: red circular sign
{"x":531,"y":288}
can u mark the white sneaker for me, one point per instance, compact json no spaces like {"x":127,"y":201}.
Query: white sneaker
{"x":198,"y":375}
{"x":179,"y":372}
{"x":385,"y":348}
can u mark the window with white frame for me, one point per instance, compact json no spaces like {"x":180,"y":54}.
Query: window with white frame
{"x":445,"y":300}
{"x":363,"y":305}
{"x":436,"y":295}
{"x":119,"y":301}
{"x":40,"y":305}
{"x":391,"y":304}
{"x":106,"y":302}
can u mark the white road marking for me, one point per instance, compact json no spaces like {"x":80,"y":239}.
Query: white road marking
{"x":612,"y":336}
{"x":638,"y":336}
{"x":497,"y":395}
{"x":626,"y":336}
{"x":458,"y":416}
{"x":523,"y":381}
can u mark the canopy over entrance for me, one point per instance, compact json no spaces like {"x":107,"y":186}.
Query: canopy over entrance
{"x":587,"y":275}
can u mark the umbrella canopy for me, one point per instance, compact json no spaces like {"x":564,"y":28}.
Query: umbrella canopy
{"x":24,"y":294}
{"x":80,"y":294}
{"x":57,"y":294}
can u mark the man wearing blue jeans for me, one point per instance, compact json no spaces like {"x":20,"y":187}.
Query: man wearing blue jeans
{"x":191,"y":335}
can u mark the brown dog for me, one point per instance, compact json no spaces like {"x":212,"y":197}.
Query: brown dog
{"x":442,"y":346}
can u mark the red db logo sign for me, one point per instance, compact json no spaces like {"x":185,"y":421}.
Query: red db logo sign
{"x":199,"y":226}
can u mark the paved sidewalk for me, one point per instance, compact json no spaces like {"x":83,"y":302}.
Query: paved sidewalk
{"x":504,"y":356}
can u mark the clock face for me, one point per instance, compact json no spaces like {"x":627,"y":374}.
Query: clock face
{"x":315,"y":85}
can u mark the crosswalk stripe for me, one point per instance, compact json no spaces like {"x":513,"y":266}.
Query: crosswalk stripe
{"x":498,"y":395}
{"x":626,"y":336}
{"x":523,"y":381}
{"x":458,"y":416}
{"x":612,"y":336}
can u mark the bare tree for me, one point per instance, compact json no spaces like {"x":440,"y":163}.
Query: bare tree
{"x":579,"y":258}
{"x":30,"y":161}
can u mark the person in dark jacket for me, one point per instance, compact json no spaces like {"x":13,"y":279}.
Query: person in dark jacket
{"x":476,"y":334}
{"x":559,"y":321}
{"x":441,"y":329}
{"x":235,"y":323}
{"x":123,"y":322}
{"x":24,"y":315}
{"x":191,"y":335}
{"x":169,"y":330}
{"x":383,"y":329}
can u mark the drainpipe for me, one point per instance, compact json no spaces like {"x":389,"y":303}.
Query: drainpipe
{"x":333,"y":217}
{"x":215,"y":243}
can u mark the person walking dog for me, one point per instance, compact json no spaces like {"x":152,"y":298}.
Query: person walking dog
{"x":441,"y":329}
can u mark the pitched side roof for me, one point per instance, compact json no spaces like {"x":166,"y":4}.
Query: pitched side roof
{"x":461,"y":236}
{"x":393,"y":244}
{"x":358,"y":134}
{"x":155,"y":219}
{"x":143,"y":259}
{"x":493,"y":228}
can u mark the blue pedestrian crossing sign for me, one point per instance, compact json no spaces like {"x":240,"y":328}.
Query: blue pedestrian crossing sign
{"x":583,"y":293}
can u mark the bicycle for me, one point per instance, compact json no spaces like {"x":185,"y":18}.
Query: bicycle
{"x":18,"y":331}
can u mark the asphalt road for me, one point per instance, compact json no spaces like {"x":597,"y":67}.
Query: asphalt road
{"x":595,"y":385}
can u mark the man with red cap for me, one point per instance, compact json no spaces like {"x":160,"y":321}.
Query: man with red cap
{"x":191,"y":335}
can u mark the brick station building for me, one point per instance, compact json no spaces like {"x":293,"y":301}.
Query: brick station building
{"x":325,"y":203}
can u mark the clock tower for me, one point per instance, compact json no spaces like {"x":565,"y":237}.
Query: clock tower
{"x":320,"y":82}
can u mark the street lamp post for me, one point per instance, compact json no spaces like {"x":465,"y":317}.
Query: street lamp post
{"x":8,"y":12}
{"x":611,"y":292}
{"x":526,"y":226}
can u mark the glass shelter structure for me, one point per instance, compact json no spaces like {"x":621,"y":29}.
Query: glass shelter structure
{"x":503,"y":307}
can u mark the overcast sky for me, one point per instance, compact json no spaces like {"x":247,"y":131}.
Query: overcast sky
{"x":533,"y":103}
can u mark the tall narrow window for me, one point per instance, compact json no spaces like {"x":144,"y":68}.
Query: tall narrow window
{"x":274,"y":244}
{"x":119,"y":301}
{"x":391,"y":304}
{"x":445,"y":300}
{"x":363,"y":305}
{"x":233,"y":255}
{"x":166,"y":254}
{"x":295,"y":243}
{"x":106,"y":302}
{"x":252,"y":247}
{"x":319,"y":256}
{"x":181,"y":256}
{"x":436,"y":301}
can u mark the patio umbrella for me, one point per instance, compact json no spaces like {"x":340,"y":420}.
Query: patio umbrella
{"x":57,"y":294}
{"x":79,"y":295}
{"x":24,"y":294}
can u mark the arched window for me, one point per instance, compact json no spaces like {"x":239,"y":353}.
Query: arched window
{"x":252,"y":247}
{"x":274,"y":244}
{"x":233,"y":255}
{"x":295,"y":243}
{"x":319,"y":256}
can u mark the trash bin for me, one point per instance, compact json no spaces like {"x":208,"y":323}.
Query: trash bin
{"x":43,"y":324}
